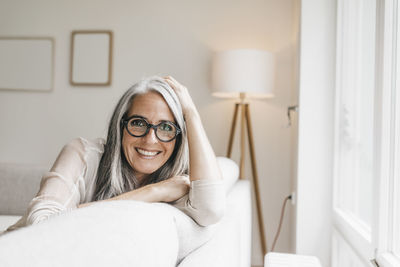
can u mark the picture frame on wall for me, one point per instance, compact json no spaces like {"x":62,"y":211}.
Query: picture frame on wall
{"x":91,"y":58}
{"x":26,"y":63}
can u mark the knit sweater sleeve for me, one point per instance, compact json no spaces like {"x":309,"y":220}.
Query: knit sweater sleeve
{"x":61,"y":188}
{"x":205,"y":202}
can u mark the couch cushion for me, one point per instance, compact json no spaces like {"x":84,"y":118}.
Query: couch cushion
{"x":230,"y":245}
{"x":191,"y":235}
{"x":112,"y":233}
{"x":230,"y":172}
{"x":19,"y":183}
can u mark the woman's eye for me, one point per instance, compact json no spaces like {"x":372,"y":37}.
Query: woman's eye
{"x":138,"y":123}
{"x":166,"y":127}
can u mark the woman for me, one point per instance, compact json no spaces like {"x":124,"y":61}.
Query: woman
{"x":156,"y":151}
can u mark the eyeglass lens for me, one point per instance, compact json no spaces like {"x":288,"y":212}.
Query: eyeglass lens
{"x":165,"y":131}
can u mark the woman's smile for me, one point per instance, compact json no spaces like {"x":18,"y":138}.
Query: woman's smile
{"x":148,"y":154}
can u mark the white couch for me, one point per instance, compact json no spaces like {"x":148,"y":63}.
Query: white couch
{"x":123,"y":233}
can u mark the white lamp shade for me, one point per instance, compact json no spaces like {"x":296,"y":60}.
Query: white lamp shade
{"x":243,"y":71}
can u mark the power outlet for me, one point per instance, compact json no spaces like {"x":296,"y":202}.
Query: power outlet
{"x":293,"y":199}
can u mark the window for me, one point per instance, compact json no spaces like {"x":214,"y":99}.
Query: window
{"x":366,"y":208}
{"x":343,"y":255}
{"x":354,"y":130}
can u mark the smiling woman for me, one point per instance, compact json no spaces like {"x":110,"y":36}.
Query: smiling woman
{"x":147,"y":151}
{"x":154,"y":129}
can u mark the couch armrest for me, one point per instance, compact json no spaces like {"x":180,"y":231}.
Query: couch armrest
{"x":231,"y":244}
{"x":19,"y":183}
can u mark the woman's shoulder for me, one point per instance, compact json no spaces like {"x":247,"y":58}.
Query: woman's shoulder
{"x":87,"y":145}
{"x":88,"y":153}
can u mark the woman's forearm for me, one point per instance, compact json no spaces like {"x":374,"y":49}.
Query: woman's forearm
{"x":202,"y":160}
{"x":148,"y":193}
{"x":203,"y":163}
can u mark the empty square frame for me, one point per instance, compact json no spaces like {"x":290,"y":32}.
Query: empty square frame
{"x":91,"y":58}
{"x":26,"y":63}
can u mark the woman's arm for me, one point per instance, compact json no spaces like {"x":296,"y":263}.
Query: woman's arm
{"x":165,"y":191}
{"x":60,"y":187}
{"x":146,"y":193}
{"x":203,"y":163}
{"x":205,"y":202}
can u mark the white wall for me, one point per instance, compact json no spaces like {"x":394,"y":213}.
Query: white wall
{"x":174,"y":37}
{"x":295,"y":116}
{"x":315,"y":156}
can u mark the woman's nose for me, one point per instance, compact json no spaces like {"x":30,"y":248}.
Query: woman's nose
{"x":151,"y":137}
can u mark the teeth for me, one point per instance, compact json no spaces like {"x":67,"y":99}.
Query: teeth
{"x":146,"y":153}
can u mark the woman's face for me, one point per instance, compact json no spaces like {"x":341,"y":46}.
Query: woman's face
{"x":147,"y":154}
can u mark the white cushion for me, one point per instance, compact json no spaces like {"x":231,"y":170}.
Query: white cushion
{"x":231,"y":243}
{"x":114,"y":233}
{"x":230,"y":172}
{"x":6,"y":221}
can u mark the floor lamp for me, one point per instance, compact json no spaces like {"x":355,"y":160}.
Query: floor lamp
{"x":244,"y":74}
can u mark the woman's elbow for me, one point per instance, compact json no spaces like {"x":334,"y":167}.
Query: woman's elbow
{"x":42,"y":210}
{"x":36,"y":217}
{"x":211,"y":215}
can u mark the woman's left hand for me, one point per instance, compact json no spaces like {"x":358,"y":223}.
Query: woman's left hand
{"x":183,"y":95}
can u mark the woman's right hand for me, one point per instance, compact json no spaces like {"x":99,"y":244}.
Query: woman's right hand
{"x":173,"y":188}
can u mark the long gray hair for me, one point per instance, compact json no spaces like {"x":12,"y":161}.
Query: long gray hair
{"x":114,"y":174}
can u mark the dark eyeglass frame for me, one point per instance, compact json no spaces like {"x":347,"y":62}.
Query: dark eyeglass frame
{"x":125,"y":121}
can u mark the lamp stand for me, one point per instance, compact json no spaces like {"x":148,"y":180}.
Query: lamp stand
{"x":245,"y":117}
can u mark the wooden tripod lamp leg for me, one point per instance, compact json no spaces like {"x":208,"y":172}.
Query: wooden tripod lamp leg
{"x":245,"y":116}
{"x":232,"y":134}
{"x":255,"y":180}
{"x":242,"y":141}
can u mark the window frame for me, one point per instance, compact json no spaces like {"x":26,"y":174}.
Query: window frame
{"x":388,"y":150}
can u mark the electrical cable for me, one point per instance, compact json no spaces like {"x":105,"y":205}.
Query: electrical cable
{"x":280,"y":222}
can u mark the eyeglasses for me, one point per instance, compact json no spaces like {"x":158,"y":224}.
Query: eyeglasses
{"x":137,"y":126}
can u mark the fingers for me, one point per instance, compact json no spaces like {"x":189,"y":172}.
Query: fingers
{"x":170,"y":78}
{"x":181,"y":179}
{"x":173,"y":83}
{"x":173,"y":86}
{"x":183,"y":94}
{"x":184,"y":178}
